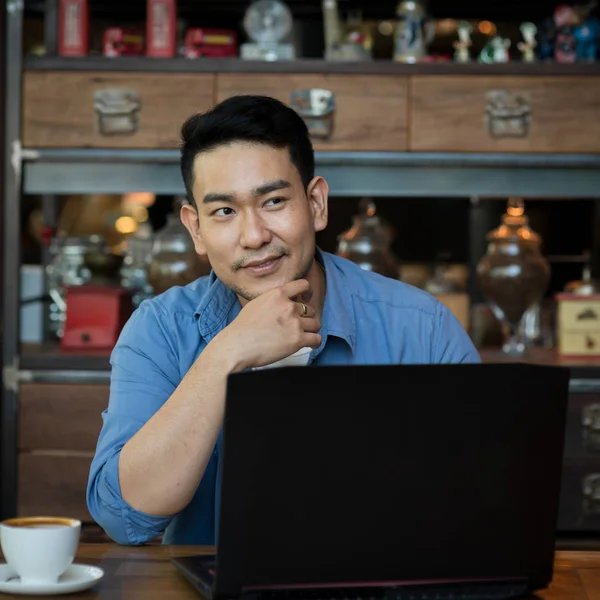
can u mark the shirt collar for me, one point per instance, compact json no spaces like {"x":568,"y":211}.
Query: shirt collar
{"x":214,"y":310}
{"x":338,"y":312}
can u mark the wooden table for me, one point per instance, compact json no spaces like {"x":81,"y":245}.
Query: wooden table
{"x":146,"y":573}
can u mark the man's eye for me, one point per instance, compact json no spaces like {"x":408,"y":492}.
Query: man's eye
{"x":223,"y":212}
{"x":274,"y":201}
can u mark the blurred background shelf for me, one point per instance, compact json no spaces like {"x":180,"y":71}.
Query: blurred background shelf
{"x":234,"y":65}
{"x":378,"y":174}
{"x":48,"y":357}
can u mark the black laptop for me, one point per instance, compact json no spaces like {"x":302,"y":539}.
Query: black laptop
{"x":432,"y":481}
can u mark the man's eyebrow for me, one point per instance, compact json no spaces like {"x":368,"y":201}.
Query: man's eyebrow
{"x":263,"y":190}
{"x":217,"y":197}
{"x":271,"y":186}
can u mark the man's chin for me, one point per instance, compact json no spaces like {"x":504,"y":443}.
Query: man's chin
{"x":254,"y":289}
{"x":263,"y":287}
{"x":248,"y":287}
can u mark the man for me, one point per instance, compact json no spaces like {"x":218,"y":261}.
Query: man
{"x":255,"y":205}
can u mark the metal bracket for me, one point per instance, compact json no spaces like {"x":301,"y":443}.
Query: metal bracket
{"x":17,"y":156}
{"x":10,"y":379}
{"x":12,"y":376}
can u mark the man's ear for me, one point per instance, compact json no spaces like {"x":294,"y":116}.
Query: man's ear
{"x":318,"y":199}
{"x":190,"y":218}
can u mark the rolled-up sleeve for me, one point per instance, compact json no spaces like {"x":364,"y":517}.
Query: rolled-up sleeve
{"x":452,"y":343}
{"x":144,"y":375}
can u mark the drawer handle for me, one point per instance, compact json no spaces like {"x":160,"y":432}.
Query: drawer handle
{"x":317,"y":108}
{"x":507,"y":114}
{"x":591,"y":494}
{"x":590,"y":422}
{"x":117,"y":111}
{"x":587,"y":315}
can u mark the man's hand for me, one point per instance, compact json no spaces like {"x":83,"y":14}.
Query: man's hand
{"x":270,"y":327}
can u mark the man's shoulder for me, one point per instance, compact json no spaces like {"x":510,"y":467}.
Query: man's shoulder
{"x":165,"y":320}
{"x":369,"y":287}
{"x":162,"y":315}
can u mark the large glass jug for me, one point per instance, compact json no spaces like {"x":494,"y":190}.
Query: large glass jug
{"x":513,"y":274}
{"x":367,"y":243}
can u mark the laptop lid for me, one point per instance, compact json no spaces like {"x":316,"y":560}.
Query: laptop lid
{"x":388,"y":474}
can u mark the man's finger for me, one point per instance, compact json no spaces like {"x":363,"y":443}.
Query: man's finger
{"x":299,"y":287}
{"x":312,"y":340}
{"x":310,"y":311}
{"x":311,"y":325}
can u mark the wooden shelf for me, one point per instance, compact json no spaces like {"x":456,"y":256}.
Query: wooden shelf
{"x":234,"y":65}
{"x":48,"y":356}
{"x":581,"y":368}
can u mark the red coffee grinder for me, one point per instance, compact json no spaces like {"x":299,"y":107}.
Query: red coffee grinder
{"x":97,"y":311}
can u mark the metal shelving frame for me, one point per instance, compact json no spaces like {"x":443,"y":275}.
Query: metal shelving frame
{"x":11,"y":253}
{"x":52,"y":172}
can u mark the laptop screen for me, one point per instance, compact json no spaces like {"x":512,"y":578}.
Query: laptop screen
{"x":379,"y":474}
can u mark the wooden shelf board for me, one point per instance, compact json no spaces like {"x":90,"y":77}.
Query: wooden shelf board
{"x":235,"y":65}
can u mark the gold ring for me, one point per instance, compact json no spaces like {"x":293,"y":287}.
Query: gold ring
{"x":304,"y":309}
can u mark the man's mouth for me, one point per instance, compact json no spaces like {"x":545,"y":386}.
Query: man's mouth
{"x":263,"y":266}
{"x":261,"y":262}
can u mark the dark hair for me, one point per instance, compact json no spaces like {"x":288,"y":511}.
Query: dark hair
{"x":257,"y":119}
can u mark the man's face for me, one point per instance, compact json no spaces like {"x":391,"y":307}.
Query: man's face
{"x":255,"y":222}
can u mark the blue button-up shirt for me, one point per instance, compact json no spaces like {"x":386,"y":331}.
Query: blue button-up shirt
{"x":367,"y":319}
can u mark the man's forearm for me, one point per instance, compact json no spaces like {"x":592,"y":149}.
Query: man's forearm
{"x":161,"y":466}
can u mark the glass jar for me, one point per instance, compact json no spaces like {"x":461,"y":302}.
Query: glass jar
{"x":513,"y":274}
{"x":68,"y":267}
{"x":367,"y":243}
{"x":174,"y":260}
{"x":134,"y":272}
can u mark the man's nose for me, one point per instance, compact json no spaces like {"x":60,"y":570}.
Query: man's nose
{"x":255,"y":233}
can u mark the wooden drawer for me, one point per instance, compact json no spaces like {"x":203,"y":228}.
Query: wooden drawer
{"x":60,"y":416}
{"x":505,"y":114}
{"x":54,"y":485}
{"x":67,"y":109}
{"x":579,"y":343}
{"x":579,"y":315}
{"x":370,"y":110}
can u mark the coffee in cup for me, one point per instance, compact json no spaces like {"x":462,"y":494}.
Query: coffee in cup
{"x":39,"y":549}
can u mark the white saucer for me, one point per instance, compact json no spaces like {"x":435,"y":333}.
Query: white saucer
{"x":75,"y":579}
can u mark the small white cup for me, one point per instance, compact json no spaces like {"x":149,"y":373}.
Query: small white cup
{"x":298,"y":359}
{"x":39,"y":549}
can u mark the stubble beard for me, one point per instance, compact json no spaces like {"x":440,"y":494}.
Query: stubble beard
{"x":302,"y":272}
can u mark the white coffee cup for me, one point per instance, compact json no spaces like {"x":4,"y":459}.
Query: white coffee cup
{"x":39,"y":549}
{"x":298,"y":359}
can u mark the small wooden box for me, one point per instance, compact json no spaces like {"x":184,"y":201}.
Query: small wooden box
{"x":95,"y":316}
{"x":578,"y":325}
